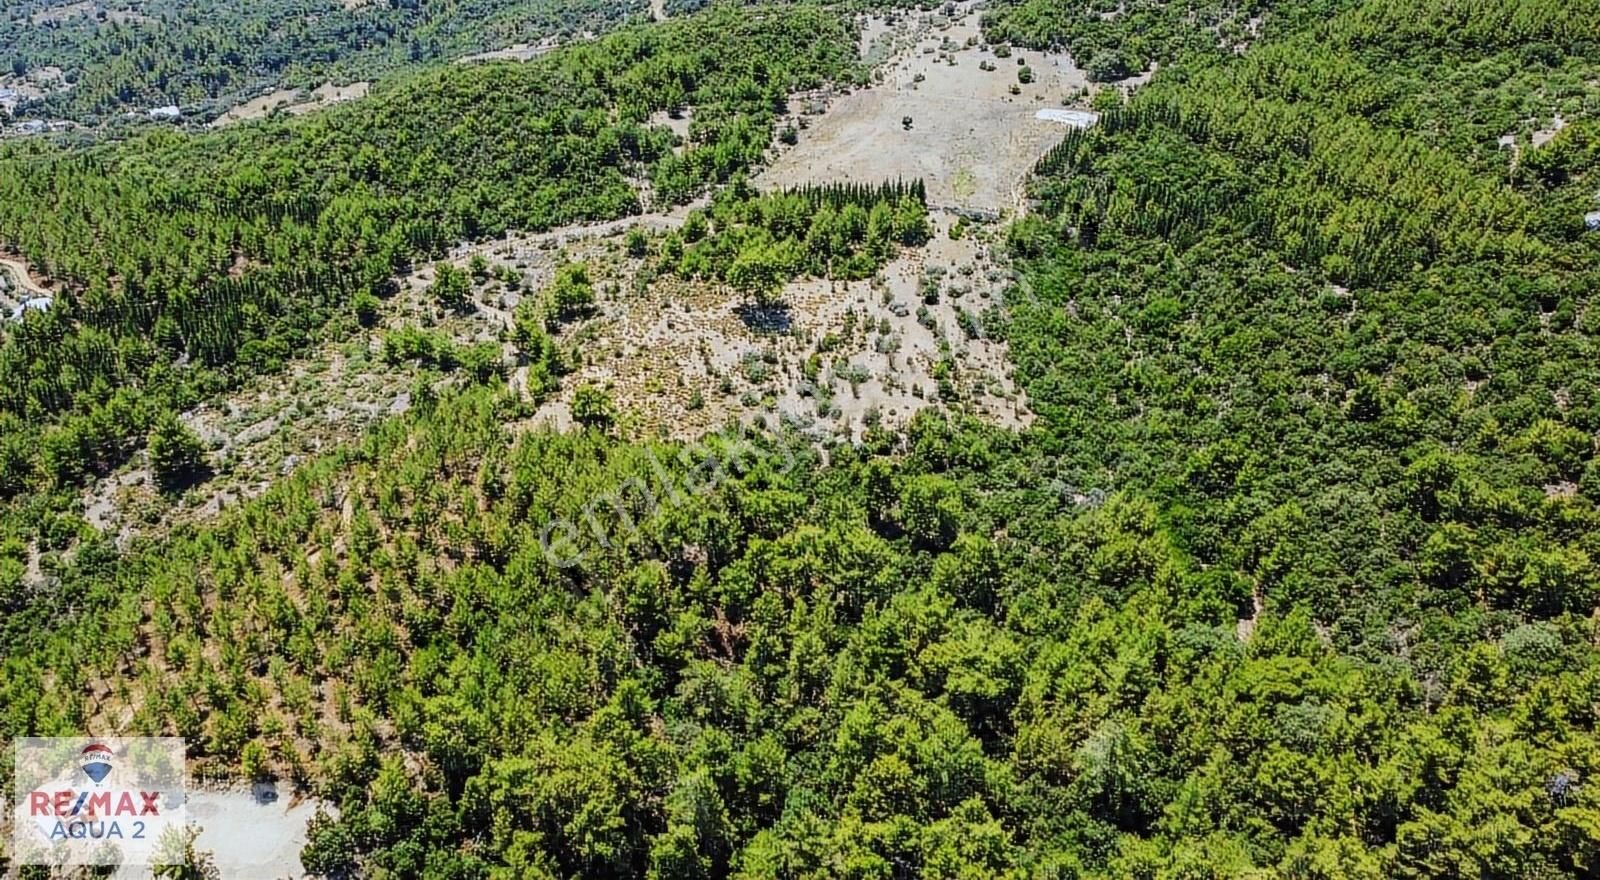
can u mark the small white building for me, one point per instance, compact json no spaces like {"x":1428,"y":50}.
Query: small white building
{"x":167,"y":113}
{"x":1074,"y":118}
{"x":1591,"y":221}
{"x":39,"y":304}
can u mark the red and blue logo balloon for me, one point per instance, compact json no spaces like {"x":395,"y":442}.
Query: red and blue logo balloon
{"x":96,"y":762}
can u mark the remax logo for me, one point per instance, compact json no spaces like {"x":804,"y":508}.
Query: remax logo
{"x":95,"y":801}
{"x":96,"y":762}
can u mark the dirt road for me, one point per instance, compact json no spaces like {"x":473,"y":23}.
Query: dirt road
{"x":561,"y":236}
{"x":18,"y":270}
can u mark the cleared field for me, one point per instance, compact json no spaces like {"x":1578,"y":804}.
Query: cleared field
{"x":970,"y":138}
{"x":254,"y":833}
{"x":65,"y":12}
{"x":519,"y":52}
{"x":683,"y":358}
{"x":295,"y":101}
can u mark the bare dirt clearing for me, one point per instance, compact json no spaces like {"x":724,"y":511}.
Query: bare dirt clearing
{"x":64,"y":12}
{"x":86,"y":9}
{"x":253,"y":833}
{"x":679,"y":125}
{"x":249,"y":832}
{"x":295,"y":101}
{"x":970,"y":139}
{"x":260,"y":432}
{"x":36,"y":83}
{"x":682,"y":358}
{"x":519,"y":52}
{"x":259,"y":108}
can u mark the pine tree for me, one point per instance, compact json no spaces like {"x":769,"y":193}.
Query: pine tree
{"x":177,"y":457}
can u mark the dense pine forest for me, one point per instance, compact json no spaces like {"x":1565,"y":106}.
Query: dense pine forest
{"x":1116,"y":39}
{"x":1294,"y":576}
{"x":116,"y":56}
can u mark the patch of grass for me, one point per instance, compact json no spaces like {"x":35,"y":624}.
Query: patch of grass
{"x":964,"y":184}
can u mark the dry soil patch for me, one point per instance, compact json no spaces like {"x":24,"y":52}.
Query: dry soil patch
{"x":970,"y":139}
{"x":295,"y":101}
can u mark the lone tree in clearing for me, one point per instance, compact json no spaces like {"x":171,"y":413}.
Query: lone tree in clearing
{"x":592,"y":407}
{"x":758,"y":274}
{"x":571,"y":294}
{"x":905,"y":122}
{"x":451,"y":287}
{"x":177,"y":457}
{"x":1107,"y":66}
{"x":638,"y":243}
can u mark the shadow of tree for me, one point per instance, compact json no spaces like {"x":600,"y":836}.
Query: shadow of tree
{"x":765,"y":319}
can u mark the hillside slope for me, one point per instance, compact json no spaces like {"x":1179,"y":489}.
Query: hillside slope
{"x":1294,"y":575}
